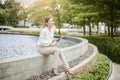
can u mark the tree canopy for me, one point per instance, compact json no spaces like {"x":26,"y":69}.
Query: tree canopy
{"x":106,"y":11}
{"x":78,"y":12}
{"x":9,"y":13}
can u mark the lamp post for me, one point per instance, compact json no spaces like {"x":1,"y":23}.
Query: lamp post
{"x":57,"y":8}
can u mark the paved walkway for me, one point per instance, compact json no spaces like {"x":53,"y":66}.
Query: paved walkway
{"x":117,"y":71}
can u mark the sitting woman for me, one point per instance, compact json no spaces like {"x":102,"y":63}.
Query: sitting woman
{"x":45,"y":42}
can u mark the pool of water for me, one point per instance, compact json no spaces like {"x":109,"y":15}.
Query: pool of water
{"x":12,"y":45}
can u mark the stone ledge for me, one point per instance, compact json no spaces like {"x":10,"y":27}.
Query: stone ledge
{"x":84,"y":65}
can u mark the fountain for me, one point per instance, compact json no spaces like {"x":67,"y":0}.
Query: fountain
{"x":20,"y":60}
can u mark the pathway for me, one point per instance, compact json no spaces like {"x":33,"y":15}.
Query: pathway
{"x":117,"y":71}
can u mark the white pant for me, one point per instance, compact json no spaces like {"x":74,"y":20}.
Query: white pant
{"x":57,"y":54}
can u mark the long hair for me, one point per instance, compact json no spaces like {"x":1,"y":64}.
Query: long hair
{"x":46,"y":20}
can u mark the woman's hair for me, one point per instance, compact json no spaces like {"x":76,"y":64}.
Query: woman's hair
{"x":47,"y":19}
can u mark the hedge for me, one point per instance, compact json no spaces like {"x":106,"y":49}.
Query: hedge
{"x":32,"y":31}
{"x":108,"y":46}
{"x":99,"y":71}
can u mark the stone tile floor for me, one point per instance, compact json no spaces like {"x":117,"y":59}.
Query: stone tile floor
{"x":117,"y":71}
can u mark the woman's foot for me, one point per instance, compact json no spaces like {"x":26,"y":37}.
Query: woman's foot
{"x":55,"y":71}
{"x":67,"y":71}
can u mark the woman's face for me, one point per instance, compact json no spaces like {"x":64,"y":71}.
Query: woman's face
{"x":50,"y":22}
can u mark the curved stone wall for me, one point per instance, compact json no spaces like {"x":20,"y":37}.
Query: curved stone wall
{"x":75,"y":51}
{"x":26,"y":66}
{"x":82,"y":66}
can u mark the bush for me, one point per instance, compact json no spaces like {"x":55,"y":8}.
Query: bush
{"x":99,"y":71}
{"x":108,"y":46}
{"x":62,"y":33}
{"x":32,"y":31}
{"x":25,"y":31}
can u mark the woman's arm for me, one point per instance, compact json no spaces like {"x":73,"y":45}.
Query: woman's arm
{"x":43,"y":39}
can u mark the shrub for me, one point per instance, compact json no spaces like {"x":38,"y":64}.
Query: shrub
{"x":108,"y":46}
{"x":99,"y":71}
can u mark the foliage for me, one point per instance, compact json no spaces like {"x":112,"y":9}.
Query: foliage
{"x":3,"y":14}
{"x":108,"y":46}
{"x":3,"y":17}
{"x":99,"y":71}
{"x":9,"y":13}
{"x":95,"y":11}
{"x":24,"y":15}
{"x":41,"y":9}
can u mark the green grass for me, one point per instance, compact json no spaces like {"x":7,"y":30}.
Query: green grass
{"x":32,"y":31}
{"x":25,"y":31}
{"x":99,"y":71}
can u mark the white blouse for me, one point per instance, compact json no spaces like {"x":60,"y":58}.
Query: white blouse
{"x":46,"y":37}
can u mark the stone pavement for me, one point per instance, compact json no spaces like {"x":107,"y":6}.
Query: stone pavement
{"x":117,"y":71}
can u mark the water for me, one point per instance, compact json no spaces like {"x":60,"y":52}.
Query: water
{"x":18,"y":45}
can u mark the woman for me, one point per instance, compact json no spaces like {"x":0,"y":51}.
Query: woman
{"x":45,"y":42}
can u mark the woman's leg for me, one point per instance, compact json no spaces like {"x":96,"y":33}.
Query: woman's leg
{"x":51,"y":51}
{"x":57,"y":53}
{"x":63,"y":59}
{"x":66,"y":65}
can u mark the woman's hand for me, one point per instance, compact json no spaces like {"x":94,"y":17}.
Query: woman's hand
{"x":55,"y":40}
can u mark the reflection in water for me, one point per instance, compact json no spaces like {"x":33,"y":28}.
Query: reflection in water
{"x":18,"y":45}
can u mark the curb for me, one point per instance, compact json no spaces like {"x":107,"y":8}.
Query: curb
{"x":111,"y":73}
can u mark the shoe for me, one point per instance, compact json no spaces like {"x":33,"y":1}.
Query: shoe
{"x":67,"y":71}
{"x":55,"y":71}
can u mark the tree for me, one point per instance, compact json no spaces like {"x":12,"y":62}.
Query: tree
{"x":47,"y":8}
{"x":9,"y":13}
{"x":3,"y":14}
{"x":13,"y":9}
{"x":23,"y":14}
{"x":37,"y":12}
{"x":80,"y":14}
{"x":109,"y":11}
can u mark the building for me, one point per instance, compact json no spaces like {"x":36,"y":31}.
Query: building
{"x":25,"y":3}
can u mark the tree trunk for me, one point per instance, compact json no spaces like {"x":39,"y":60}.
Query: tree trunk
{"x":89,"y":20}
{"x":112,"y":21}
{"x":24,"y":23}
{"x":109,"y":31}
{"x":59,"y":24}
{"x":115,"y":28}
{"x":84,"y":26}
{"x":112,"y":26}
{"x":105,"y":29}
{"x":97,"y":28}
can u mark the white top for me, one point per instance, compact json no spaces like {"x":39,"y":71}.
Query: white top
{"x":46,"y":37}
